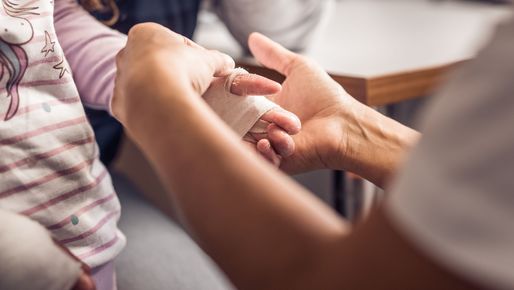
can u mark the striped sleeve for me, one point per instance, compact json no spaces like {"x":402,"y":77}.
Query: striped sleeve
{"x":90,"y":48}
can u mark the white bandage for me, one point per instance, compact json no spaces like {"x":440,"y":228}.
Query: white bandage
{"x":241,"y":113}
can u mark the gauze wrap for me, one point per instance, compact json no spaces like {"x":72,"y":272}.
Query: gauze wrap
{"x":241,"y":113}
{"x":29,"y":260}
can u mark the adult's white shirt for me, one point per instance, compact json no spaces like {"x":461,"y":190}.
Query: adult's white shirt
{"x":291,"y":23}
{"x":455,"y":197}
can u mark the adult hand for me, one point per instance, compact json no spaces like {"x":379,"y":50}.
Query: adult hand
{"x":157,"y":62}
{"x":338,"y":131}
{"x":310,"y":93}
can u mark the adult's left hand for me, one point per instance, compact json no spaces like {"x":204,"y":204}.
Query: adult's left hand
{"x":157,"y":62}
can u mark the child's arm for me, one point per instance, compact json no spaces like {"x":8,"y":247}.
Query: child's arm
{"x":30,"y":259}
{"x":90,"y":48}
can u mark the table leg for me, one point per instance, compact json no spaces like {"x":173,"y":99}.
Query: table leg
{"x":339,"y":192}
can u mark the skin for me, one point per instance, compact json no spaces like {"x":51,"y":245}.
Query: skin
{"x":286,"y":122}
{"x":84,"y":281}
{"x":283,"y":145}
{"x":262,"y":229}
{"x":338,"y":131}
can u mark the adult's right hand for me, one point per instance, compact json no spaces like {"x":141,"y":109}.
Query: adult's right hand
{"x":338,"y":132}
{"x":322,"y":105}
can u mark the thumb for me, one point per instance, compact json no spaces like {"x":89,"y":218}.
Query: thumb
{"x":271,"y":54}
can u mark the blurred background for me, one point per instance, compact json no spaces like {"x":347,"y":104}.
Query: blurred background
{"x":389,"y":54}
{"x":406,"y":43}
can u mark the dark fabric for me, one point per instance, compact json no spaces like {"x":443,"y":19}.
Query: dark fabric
{"x":180,"y":16}
{"x":108,"y":133}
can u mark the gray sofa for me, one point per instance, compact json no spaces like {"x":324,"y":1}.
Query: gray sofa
{"x":159,"y":253}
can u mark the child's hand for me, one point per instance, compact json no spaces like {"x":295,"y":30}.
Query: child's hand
{"x":85,"y":281}
{"x":277,"y":123}
{"x":272,"y":135}
{"x":279,"y":143}
{"x":224,"y":97}
{"x":157,"y":62}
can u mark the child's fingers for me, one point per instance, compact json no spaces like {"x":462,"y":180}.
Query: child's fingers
{"x":84,"y":282}
{"x":266,"y":150}
{"x":284,"y":119}
{"x":281,"y":141}
{"x":252,"y":85}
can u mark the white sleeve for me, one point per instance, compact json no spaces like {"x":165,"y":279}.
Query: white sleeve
{"x":289,"y":22}
{"x":29,"y":259}
{"x":455,"y":197}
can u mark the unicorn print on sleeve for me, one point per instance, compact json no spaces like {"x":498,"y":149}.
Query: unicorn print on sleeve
{"x":15,"y":30}
{"x":50,"y":170}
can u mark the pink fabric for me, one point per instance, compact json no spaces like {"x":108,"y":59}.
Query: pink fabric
{"x":63,"y":179}
{"x":104,"y":277}
{"x":90,"y":48}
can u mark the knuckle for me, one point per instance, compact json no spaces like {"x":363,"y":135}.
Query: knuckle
{"x":290,"y":64}
{"x":143,"y":29}
{"x":187,"y":41}
{"x":119,"y":57}
{"x":297,"y":61}
{"x":136,"y":30}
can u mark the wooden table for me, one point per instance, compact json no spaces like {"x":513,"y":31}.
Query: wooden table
{"x":383,"y":52}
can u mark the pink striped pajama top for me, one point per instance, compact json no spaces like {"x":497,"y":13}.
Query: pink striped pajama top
{"x":49,"y":166}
